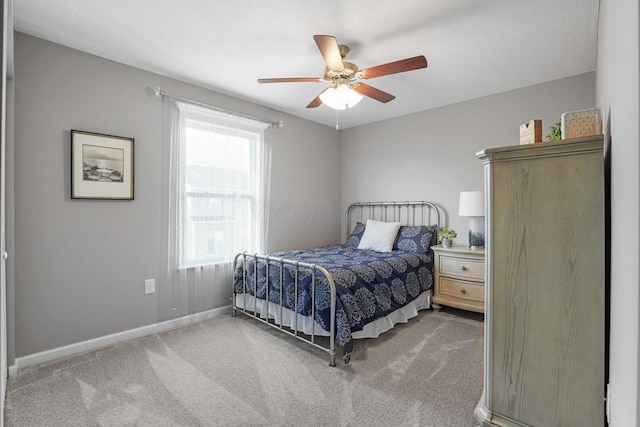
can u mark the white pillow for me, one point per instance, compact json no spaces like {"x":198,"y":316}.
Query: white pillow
{"x":379,"y":236}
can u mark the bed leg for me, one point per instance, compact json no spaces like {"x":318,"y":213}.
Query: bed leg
{"x":233,"y":305}
{"x":332,"y":358}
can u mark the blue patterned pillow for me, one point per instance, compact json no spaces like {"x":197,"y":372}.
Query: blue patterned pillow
{"x":415,"y":238}
{"x":354,"y":240}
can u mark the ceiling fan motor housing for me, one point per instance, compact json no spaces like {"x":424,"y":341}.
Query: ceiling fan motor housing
{"x":350,"y":70}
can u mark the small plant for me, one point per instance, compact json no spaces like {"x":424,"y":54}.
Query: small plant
{"x":446,"y":233}
{"x":555,"y":134}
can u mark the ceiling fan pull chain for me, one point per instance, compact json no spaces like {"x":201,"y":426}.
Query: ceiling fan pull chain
{"x":337,"y":127}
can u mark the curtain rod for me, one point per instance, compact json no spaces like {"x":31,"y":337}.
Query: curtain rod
{"x":162,"y":93}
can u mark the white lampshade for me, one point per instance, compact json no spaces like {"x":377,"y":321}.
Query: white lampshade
{"x":471,"y":203}
{"x":340,"y":97}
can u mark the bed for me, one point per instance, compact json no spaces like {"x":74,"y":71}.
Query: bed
{"x":381,"y":276}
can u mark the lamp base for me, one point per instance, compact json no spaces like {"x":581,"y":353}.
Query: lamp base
{"x":476,"y":232}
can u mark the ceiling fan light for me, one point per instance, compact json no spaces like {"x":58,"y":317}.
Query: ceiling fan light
{"x":340,"y":97}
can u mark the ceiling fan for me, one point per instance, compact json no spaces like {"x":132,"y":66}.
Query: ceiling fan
{"x":347,"y":87}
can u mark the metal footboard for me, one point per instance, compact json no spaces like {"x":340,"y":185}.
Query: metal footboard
{"x":293,"y":329}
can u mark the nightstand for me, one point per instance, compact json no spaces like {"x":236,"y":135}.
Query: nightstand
{"x":459,"y":278}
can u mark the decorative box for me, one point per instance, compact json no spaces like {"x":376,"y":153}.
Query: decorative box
{"x":531,"y":132}
{"x":581,"y":123}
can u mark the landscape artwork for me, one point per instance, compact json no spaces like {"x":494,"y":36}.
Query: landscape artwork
{"x":101,"y":166}
{"x":102,"y":163}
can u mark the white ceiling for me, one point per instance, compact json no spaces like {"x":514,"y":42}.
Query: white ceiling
{"x":473,"y":47}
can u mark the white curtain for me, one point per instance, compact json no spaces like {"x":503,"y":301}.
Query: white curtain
{"x":192,"y":280}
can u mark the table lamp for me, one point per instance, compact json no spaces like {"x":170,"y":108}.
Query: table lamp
{"x":472,"y":205}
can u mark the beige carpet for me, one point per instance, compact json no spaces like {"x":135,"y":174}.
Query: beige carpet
{"x":236,"y":372}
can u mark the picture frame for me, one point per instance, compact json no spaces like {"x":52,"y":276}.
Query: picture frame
{"x":101,"y":166}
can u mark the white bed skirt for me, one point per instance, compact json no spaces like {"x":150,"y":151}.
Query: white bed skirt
{"x":308,"y":326}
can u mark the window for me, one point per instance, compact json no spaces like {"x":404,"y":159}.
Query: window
{"x":221,"y":186}
{"x":215,"y":183}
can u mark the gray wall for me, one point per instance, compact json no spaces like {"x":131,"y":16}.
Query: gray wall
{"x":431,"y":155}
{"x":618,"y":92}
{"x":80,"y":265}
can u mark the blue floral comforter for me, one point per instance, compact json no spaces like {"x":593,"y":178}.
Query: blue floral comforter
{"x":369,"y":285}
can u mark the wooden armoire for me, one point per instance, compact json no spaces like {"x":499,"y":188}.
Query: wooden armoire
{"x":545,"y":285}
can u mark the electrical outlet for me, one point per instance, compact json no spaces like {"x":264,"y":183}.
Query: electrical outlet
{"x":149,"y":286}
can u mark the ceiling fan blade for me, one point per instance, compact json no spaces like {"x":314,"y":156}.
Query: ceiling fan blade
{"x":372,"y":92}
{"x":290,"y":79}
{"x":395,"y":67}
{"x":330,"y":52}
{"x":315,"y":103}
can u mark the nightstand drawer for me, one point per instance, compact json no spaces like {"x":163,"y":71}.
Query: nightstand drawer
{"x":461,"y":290}
{"x":459,"y":278}
{"x":468,"y":268}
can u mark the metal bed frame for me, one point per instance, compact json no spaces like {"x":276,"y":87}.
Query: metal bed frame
{"x":408,"y":213}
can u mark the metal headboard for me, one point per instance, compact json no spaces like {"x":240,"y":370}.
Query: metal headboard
{"x":408,"y":213}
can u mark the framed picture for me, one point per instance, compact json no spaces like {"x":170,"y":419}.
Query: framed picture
{"x":101,"y":166}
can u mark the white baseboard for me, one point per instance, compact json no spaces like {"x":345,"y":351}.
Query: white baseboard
{"x":92,"y":344}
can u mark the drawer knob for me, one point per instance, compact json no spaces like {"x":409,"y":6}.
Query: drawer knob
{"x":463,"y":268}
{"x":463,"y":290}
